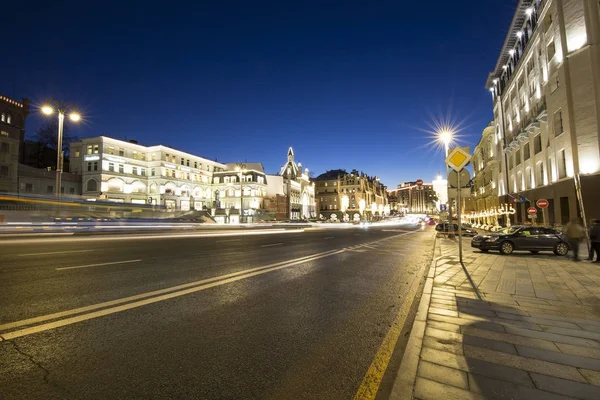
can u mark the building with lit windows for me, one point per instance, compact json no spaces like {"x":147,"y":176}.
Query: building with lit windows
{"x":121,"y":171}
{"x":12,"y":134}
{"x":354,"y":196}
{"x":416,"y":198}
{"x":235,"y":185}
{"x":546,"y":102}
{"x":298,"y":189}
{"x":487,"y":165}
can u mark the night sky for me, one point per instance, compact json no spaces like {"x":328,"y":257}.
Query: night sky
{"x":348,"y":84}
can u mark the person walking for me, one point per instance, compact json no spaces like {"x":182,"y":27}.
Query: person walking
{"x":595,"y":239}
{"x":590,"y":227}
{"x":575,"y":233}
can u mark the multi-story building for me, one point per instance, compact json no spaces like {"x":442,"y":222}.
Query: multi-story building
{"x":350,"y":196}
{"x":41,"y":181}
{"x":239,"y":184}
{"x":392,"y":198}
{"x":416,"y":197}
{"x":12,"y":135}
{"x":121,"y":171}
{"x":299,"y":190}
{"x":486,"y":164}
{"x":546,"y":101}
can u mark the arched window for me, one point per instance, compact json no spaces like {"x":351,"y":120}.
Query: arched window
{"x":92,"y":185}
{"x":3,"y":117}
{"x":8,"y":118}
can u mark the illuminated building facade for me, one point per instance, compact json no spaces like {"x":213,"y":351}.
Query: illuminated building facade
{"x":354,"y":196}
{"x":546,"y":103}
{"x":121,"y":171}
{"x":487,"y":166}
{"x":414,"y":198}
{"x":12,"y":134}
{"x":298,"y":188}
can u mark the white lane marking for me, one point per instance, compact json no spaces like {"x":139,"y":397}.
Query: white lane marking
{"x":98,"y":265}
{"x":80,"y":310}
{"x":272,"y":244}
{"x":112,"y":310}
{"x":54,"y":252}
{"x":112,"y":238}
{"x":228,"y":240}
{"x":328,"y":237}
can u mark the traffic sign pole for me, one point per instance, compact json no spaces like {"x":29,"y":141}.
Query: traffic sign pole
{"x":458,"y":207}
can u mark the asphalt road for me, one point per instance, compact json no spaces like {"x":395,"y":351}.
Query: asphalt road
{"x":284,"y":315}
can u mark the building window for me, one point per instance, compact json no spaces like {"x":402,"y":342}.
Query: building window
{"x":89,"y":165}
{"x":143,"y":171}
{"x":89,"y":149}
{"x":526,"y":152}
{"x":71,"y":190}
{"x":122,"y":152}
{"x":518,"y":157}
{"x":562,"y":164}
{"x":95,"y":165}
{"x":29,"y":187}
{"x":181,"y":161}
{"x":8,"y":119}
{"x":111,"y":167}
{"x":153,"y":156}
{"x":111,"y":149}
{"x":551,"y":50}
{"x":5,"y":148}
{"x":558,"y":123}
{"x":134,"y":170}
{"x":4,"y":171}
{"x":153,"y":172}
{"x":537,"y":144}
{"x":121,"y":168}
{"x":3,"y":117}
{"x":216,"y":180}
{"x":50,"y":189}
{"x":76,"y":153}
{"x":196,"y":164}
{"x":540,"y":174}
{"x":187,"y":163}
{"x":96,"y":148}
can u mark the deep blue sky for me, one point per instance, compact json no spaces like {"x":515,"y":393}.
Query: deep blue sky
{"x":348,"y":84}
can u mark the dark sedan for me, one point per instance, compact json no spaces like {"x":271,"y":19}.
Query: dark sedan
{"x":529,"y":238}
{"x":445,"y":228}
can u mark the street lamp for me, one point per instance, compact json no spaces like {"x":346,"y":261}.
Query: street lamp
{"x":241,"y":168}
{"x":445,"y":136}
{"x":73,"y":116}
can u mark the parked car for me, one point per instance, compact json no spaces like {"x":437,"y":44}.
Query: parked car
{"x":445,"y":227}
{"x":529,"y":238}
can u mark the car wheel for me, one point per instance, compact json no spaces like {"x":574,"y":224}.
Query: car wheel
{"x":506,"y":248}
{"x":534,"y":251}
{"x":561,"y":249}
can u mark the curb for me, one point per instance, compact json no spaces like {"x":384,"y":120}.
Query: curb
{"x":404,"y":383}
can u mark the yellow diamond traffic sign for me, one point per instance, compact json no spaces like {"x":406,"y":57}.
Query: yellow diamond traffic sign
{"x":457,"y":159}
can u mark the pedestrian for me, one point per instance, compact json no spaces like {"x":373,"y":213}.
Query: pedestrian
{"x":575,"y":233}
{"x":595,"y":239}
{"x":590,"y":227}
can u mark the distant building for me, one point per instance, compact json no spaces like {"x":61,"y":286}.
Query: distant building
{"x":42,"y":181}
{"x":392,"y":196}
{"x":299,"y":190}
{"x":440,"y":187}
{"x":239,"y":184}
{"x":486,"y":167}
{"x":546,"y":104}
{"x":12,"y":134}
{"x":414,"y":198}
{"x":351,"y":196}
{"x":121,"y":171}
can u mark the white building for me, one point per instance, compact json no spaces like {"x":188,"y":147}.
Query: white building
{"x":440,"y":187}
{"x":121,"y":171}
{"x":546,"y":101}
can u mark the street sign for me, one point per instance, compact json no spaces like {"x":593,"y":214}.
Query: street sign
{"x":419,"y":182}
{"x":442,"y":207}
{"x":542,"y":203}
{"x":465,"y":177}
{"x":458,"y":158}
{"x":532,"y":211}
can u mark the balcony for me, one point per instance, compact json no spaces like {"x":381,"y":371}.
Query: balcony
{"x":541,"y":111}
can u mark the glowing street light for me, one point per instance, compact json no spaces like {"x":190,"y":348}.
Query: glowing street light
{"x":48,"y":109}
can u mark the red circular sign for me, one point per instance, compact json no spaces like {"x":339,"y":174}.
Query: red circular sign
{"x":419,"y":182}
{"x":532,"y":211}
{"x":542,"y":203}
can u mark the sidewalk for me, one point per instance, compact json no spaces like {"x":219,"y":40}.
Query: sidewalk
{"x":522,"y":327}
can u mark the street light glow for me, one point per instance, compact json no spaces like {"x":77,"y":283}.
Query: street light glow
{"x":445,"y":136}
{"x":47,"y":110}
{"x":74,"y":117}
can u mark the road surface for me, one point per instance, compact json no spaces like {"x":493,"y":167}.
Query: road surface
{"x":299,"y":314}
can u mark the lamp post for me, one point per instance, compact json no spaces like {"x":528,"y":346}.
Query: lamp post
{"x":73,"y":116}
{"x":241,"y":168}
{"x":445,"y":137}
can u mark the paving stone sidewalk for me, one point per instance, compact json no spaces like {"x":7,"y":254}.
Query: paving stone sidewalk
{"x":510,"y":327}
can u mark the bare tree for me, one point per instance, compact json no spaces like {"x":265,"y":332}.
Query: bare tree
{"x":47,"y":136}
